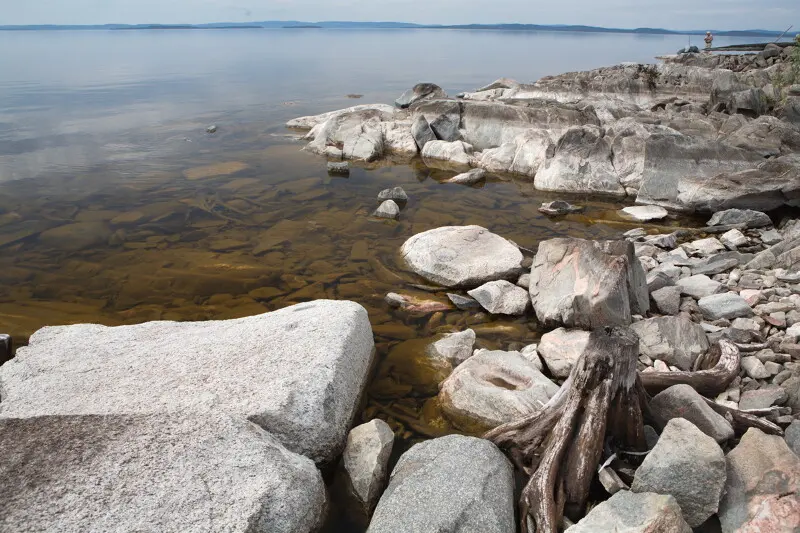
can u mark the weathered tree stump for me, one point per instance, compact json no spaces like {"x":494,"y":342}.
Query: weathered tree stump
{"x":561,"y":445}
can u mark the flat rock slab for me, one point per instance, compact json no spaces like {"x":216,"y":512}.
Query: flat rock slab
{"x":644,"y":213}
{"x":297,"y":372}
{"x":629,"y":512}
{"x":452,"y":484}
{"x":462,"y":256}
{"x":168,"y":473}
{"x":726,"y":305}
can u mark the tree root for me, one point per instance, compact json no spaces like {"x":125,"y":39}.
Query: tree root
{"x":722,"y":363}
{"x":561,"y":445}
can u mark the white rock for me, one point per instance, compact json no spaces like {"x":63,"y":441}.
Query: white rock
{"x":644,"y":213}
{"x":366,"y":460}
{"x":297,"y":372}
{"x":474,"y":176}
{"x":733,"y":239}
{"x":706,"y":247}
{"x":561,"y":348}
{"x":456,"y":152}
{"x":699,"y":286}
{"x":492,"y":388}
{"x":388,"y":209}
{"x":461,"y":256}
{"x":502,"y":297}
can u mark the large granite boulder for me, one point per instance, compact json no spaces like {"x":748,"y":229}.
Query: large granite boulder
{"x":587,"y":284}
{"x":492,"y":388}
{"x":582,"y":163}
{"x":524,"y":155}
{"x":682,"y":401}
{"x":762,"y":492}
{"x":455,"y":484}
{"x":420,"y":91}
{"x":153,"y":472}
{"x":670,"y":158}
{"x":675,"y":340}
{"x":298,"y":372}
{"x":461,"y":256}
{"x":748,"y":217}
{"x":366,"y":461}
{"x":630,"y":512}
{"x":687,"y":464}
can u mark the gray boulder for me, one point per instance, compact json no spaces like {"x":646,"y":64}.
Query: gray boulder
{"x":422,"y":132}
{"x":726,"y":305}
{"x":454,"y":348}
{"x":461,"y":256}
{"x":559,"y":208}
{"x":446,"y":125}
{"x":630,"y":512}
{"x":675,"y":340}
{"x":667,"y":300}
{"x":671,"y":157}
{"x":298,"y":372}
{"x":387,"y":209}
{"x":582,"y":163}
{"x":762,"y":492}
{"x":699,"y":286}
{"x":420,"y":91}
{"x":502,"y":297}
{"x":492,"y":388}
{"x":748,"y":217}
{"x":153,"y":472}
{"x":560,"y":349}
{"x":350,"y":135}
{"x":366,"y":461}
{"x":682,"y":401}
{"x":687,"y":464}
{"x":587,"y":284}
{"x":452,"y":484}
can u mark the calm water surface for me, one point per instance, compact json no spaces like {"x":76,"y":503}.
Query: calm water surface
{"x":117,"y":208}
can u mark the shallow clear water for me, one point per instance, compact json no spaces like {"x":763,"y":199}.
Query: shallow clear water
{"x":116,"y":207}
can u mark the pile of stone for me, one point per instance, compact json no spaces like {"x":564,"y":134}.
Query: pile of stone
{"x":391,"y":202}
{"x":736,"y":279}
{"x":699,"y":132}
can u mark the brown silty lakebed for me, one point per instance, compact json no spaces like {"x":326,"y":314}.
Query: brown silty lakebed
{"x":258,"y":229}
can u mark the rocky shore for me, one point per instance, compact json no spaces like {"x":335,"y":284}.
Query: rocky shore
{"x":697,"y":132}
{"x":663,"y":394}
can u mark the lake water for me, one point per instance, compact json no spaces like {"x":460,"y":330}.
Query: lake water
{"x":116,"y":207}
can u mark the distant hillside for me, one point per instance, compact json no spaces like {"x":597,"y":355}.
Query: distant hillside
{"x":279,"y":24}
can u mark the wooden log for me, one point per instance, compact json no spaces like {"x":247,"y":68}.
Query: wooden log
{"x":707,"y":382}
{"x":742,"y":420}
{"x":561,"y":444}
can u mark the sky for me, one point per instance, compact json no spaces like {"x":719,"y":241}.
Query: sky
{"x":671,"y":14}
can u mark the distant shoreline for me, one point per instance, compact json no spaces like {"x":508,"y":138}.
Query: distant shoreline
{"x":394,"y":25}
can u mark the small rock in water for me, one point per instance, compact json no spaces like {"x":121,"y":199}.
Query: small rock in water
{"x":463,"y":302}
{"x":6,"y":347}
{"x":635,"y":233}
{"x":212,"y":129}
{"x":387,"y":209}
{"x":644,"y":213}
{"x":340,"y":168}
{"x":559,"y":207}
{"x":473,"y":177}
{"x":366,"y":460}
{"x":396,"y":194}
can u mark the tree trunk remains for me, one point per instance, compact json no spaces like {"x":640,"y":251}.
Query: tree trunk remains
{"x":717,"y":369}
{"x":561,"y":445}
